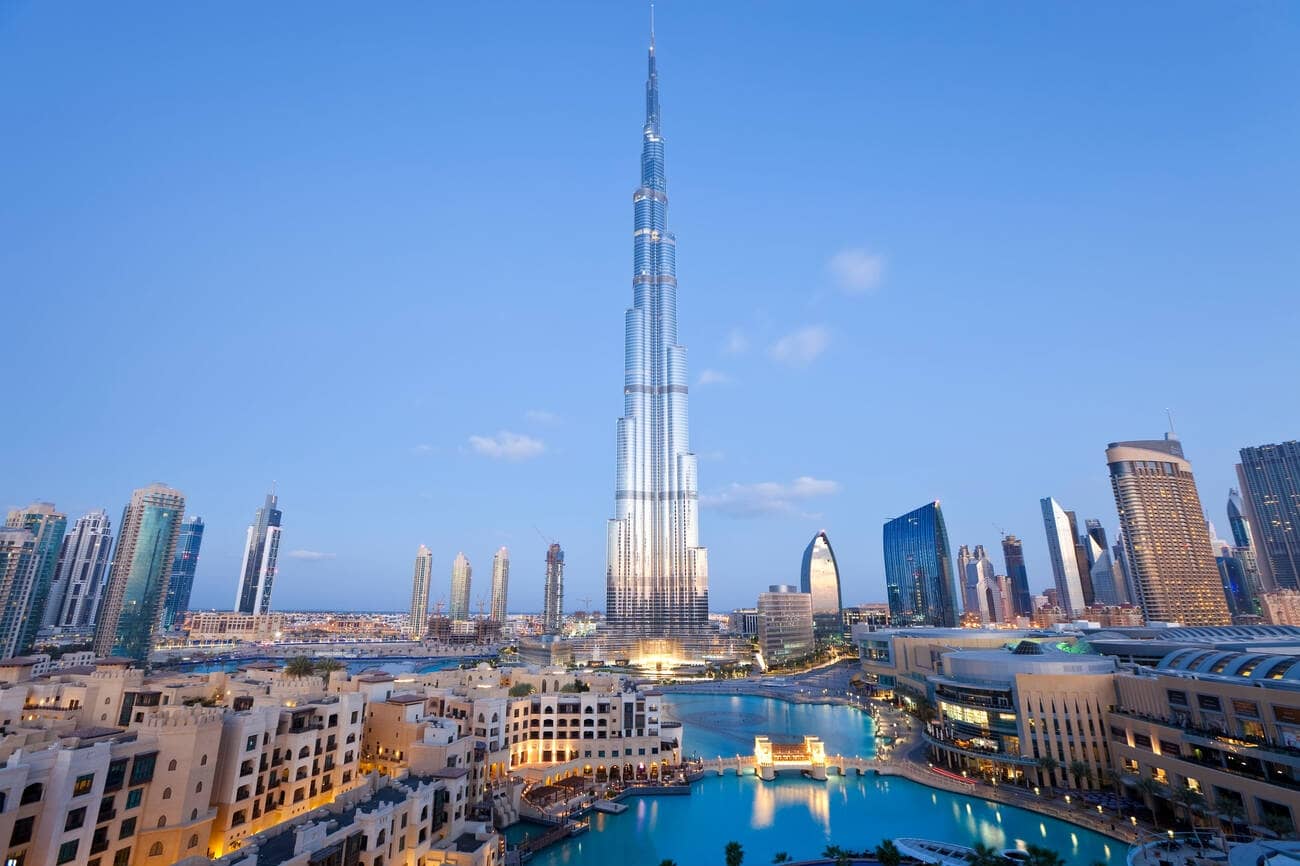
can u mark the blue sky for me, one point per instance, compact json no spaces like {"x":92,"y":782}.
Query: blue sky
{"x":380,"y":256}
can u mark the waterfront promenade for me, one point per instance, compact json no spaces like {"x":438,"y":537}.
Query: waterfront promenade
{"x":905,"y":756}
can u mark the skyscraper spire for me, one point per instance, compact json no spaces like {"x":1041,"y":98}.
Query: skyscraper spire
{"x":657,"y":572}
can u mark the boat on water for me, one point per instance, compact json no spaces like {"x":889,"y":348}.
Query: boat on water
{"x":948,"y":853}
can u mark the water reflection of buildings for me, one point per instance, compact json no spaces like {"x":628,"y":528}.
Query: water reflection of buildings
{"x":769,"y":797}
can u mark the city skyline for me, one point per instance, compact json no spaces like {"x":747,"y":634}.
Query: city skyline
{"x":769,"y":482}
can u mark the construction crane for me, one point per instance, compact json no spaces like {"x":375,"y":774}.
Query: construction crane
{"x":438,"y":605}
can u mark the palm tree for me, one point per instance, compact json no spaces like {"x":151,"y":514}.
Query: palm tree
{"x":1232,"y":809}
{"x":888,"y":854}
{"x":1081,"y":772}
{"x":986,"y":855}
{"x":1039,"y":856}
{"x":1279,"y":824}
{"x":735,"y":855}
{"x":667,"y":863}
{"x":781,"y":857}
{"x":1189,"y":799}
{"x":325,"y":667}
{"x":1149,"y":789}
{"x":300,"y":666}
{"x":1046,"y":766}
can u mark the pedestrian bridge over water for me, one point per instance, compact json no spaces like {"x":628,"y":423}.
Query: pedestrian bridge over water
{"x":806,"y":756}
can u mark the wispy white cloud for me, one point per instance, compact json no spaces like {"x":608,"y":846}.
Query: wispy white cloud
{"x":768,"y":497}
{"x":713,"y":377}
{"x":310,"y":555}
{"x":542,"y":416}
{"x":802,"y":346}
{"x":507,"y":446}
{"x":424,"y":449}
{"x":737,"y":343}
{"x":856,"y":270}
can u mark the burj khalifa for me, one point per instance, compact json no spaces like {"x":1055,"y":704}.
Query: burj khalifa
{"x":657,"y":574}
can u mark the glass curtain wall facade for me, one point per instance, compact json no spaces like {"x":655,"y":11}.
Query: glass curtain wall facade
{"x":261,"y":550}
{"x":918,"y":569}
{"x":500,"y":585}
{"x":1270,"y":479}
{"x":1061,"y":542}
{"x":656,"y":570}
{"x":819,"y":576}
{"x":421,"y":584}
{"x":461,"y":572}
{"x":47,"y":527}
{"x":146,"y":546}
{"x":182,"y":580}
{"x":17,"y":570}
{"x":1013,"y":554}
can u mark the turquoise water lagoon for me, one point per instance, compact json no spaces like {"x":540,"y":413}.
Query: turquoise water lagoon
{"x":797,"y":815}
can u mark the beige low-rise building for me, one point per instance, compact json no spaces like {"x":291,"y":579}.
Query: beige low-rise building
{"x":1224,"y":724}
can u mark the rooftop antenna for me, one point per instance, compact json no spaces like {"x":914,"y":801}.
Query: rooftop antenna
{"x":1169,"y":413}
{"x":652,"y":26}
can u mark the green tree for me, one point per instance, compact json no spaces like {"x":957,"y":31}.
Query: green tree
{"x":1190,"y":800}
{"x":1279,"y":824}
{"x":734,"y":853}
{"x":667,"y":863}
{"x":300,"y":666}
{"x":986,"y":855}
{"x":1081,"y":772}
{"x":1047,"y":765}
{"x":1039,"y":856}
{"x":781,"y":857}
{"x":521,"y":690}
{"x":888,"y":854}
{"x":325,"y":667}
{"x":1150,"y":790}
{"x":1232,"y":809}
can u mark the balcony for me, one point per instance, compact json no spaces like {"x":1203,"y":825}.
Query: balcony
{"x":966,"y":748}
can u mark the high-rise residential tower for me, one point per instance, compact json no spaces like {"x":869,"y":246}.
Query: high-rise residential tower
{"x":261,"y":550}
{"x":83,"y":570}
{"x":460,"y":577}
{"x":47,"y":527}
{"x":918,"y":569}
{"x":1165,"y":535}
{"x":1270,"y":482}
{"x":421,"y":585}
{"x":819,"y":576}
{"x":656,"y":570}
{"x":18,"y":561}
{"x":132,"y":609}
{"x":1238,"y":523}
{"x":185,"y":562}
{"x":1061,"y":541}
{"x":1013,"y":554}
{"x":500,"y":585}
{"x":553,"y":591}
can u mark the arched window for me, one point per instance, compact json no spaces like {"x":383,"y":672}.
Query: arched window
{"x":204,"y":761}
{"x":379,"y":840}
{"x":167,"y":793}
{"x":304,"y":752}
{"x":32,"y":794}
{"x":495,"y":718}
{"x":480,"y":717}
{"x":198,"y":789}
{"x":194,"y":814}
{"x":155,"y":850}
{"x":171,"y":765}
{"x":162,"y":822}
{"x":194,"y":841}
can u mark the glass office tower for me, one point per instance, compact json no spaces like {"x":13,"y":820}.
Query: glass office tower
{"x":819,"y":576}
{"x":1270,"y":480}
{"x":261,"y":550}
{"x":918,"y":569}
{"x":47,"y":526}
{"x":1013,"y":554}
{"x":182,"y":580}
